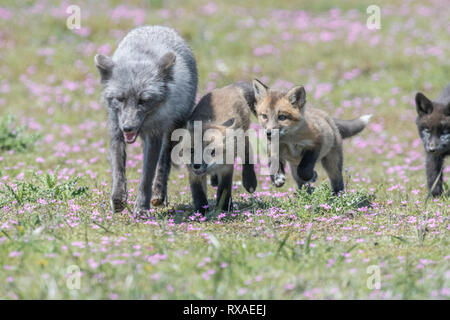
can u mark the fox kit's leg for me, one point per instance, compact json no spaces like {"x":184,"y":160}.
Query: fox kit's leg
{"x":300,"y":182}
{"x":433,"y":168}
{"x":277,"y":175}
{"x":225,"y":186}
{"x":152,"y":147}
{"x":159,"y":193}
{"x":248,"y":171}
{"x":198,"y":190}
{"x":214,"y":180}
{"x":117,"y":158}
{"x":332,"y":163}
{"x":305,"y":169}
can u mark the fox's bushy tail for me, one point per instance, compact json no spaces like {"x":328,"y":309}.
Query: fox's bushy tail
{"x":349,"y":128}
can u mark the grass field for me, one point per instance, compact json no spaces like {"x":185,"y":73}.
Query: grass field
{"x":59,"y":238}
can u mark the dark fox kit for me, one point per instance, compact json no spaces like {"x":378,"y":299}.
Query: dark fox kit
{"x":220,"y":110}
{"x":433,"y":123}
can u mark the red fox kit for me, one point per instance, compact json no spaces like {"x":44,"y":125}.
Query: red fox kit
{"x":306,"y":135}
{"x":217,"y":114}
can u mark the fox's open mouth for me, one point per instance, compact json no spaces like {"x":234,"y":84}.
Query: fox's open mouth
{"x":130,"y":137}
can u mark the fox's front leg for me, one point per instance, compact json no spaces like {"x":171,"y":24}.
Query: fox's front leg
{"x":159,"y":193}
{"x":276,"y":165}
{"x":223,"y":199}
{"x":300,"y":182}
{"x":198,"y":190}
{"x":152,"y":147}
{"x":248,"y":171}
{"x":278,"y":179}
{"x":305,"y":169}
{"x":214,"y":180}
{"x":117,"y":158}
{"x":434,"y":170}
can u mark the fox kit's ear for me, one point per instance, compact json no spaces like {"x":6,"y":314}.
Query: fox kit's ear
{"x":228,"y":123}
{"x":104,"y":65}
{"x":297,"y":96}
{"x":260,"y":90}
{"x":423,"y":104}
{"x":166,"y":63}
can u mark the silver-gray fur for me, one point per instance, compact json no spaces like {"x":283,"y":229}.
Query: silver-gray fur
{"x":149,"y":88}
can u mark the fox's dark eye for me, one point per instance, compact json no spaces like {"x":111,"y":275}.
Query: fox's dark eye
{"x":213,"y":153}
{"x":115,"y":103}
{"x":282,"y":117}
{"x":143,"y":102}
{"x":264,"y":116}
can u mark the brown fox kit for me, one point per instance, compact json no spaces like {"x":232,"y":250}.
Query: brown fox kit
{"x":433,"y":124}
{"x":306,"y":135}
{"x":218,"y":113}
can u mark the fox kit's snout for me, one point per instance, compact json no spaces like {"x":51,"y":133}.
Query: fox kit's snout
{"x":305,"y":135}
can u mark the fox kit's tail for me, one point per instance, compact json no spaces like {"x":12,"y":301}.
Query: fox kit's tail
{"x":348,"y":128}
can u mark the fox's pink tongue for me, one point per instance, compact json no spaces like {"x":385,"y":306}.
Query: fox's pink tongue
{"x":129,"y":137}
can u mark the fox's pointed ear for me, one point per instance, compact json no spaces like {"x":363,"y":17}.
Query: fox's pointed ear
{"x":423,"y":104}
{"x":228,"y":123}
{"x":447,"y":110}
{"x":165,"y":64}
{"x":260,"y":90}
{"x":104,"y":65}
{"x":297,"y":96}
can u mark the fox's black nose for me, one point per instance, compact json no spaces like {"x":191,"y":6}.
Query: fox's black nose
{"x":268,"y":133}
{"x":432,"y":147}
{"x":197,"y":166}
{"x":128,"y":129}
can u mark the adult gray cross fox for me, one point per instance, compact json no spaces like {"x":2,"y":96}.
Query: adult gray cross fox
{"x":433,"y":124}
{"x":222,"y":118}
{"x":149,"y":88}
{"x":305,"y":135}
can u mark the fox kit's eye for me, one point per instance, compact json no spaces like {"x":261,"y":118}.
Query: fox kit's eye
{"x":119,"y":99}
{"x":282,"y":117}
{"x":263,"y":116}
